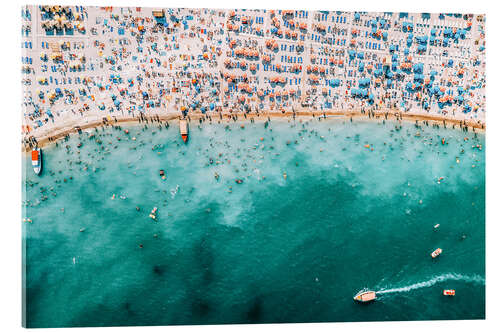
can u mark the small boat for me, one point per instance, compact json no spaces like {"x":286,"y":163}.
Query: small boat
{"x":449,"y":292}
{"x":36,"y":160}
{"x":436,"y":226}
{"x":436,"y":252}
{"x":183,"y":127}
{"x":365,"y":296}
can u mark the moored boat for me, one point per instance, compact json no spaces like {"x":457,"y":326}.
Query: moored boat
{"x":436,"y":252}
{"x":183,"y":129}
{"x":36,"y":160}
{"x":364,"y":296}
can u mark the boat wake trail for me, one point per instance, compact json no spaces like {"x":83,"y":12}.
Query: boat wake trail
{"x":476,"y":279}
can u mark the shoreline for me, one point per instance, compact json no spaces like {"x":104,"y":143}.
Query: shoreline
{"x":73,"y":125}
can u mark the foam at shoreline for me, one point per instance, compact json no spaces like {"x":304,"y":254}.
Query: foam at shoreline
{"x":381,"y":115}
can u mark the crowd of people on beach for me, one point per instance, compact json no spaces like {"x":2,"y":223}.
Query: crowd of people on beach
{"x":103,"y":62}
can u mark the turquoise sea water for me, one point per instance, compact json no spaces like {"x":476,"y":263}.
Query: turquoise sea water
{"x":268,"y":250}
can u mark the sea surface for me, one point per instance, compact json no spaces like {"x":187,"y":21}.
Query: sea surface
{"x":324,"y":209}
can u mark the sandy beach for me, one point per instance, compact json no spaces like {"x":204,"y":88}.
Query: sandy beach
{"x":92,"y":66}
{"x":60,"y":130}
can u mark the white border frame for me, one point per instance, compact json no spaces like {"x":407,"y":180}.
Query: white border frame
{"x":10,"y":194}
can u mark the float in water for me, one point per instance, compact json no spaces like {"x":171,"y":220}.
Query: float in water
{"x":449,"y":292}
{"x":436,"y":253}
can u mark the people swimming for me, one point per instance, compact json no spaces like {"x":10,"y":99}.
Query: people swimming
{"x":153,"y":213}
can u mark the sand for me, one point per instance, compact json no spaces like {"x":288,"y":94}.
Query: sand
{"x":61,"y":129}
